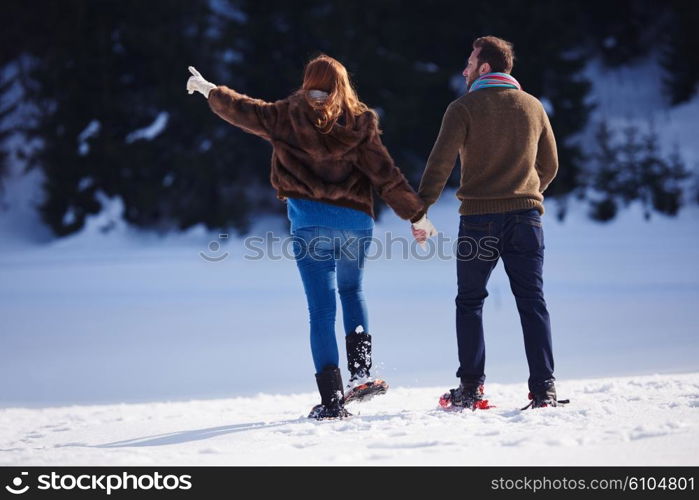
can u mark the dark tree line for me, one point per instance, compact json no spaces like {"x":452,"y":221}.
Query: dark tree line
{"x":90,"y":73}
{"x":632,"y":167}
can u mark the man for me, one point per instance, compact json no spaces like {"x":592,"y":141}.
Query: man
{"x":508,"y":158}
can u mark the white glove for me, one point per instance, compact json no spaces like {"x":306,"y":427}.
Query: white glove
{"x":198,"y":83}
{"x":424,"y":224}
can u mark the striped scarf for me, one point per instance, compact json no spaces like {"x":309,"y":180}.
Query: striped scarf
{"x":495,"y":80}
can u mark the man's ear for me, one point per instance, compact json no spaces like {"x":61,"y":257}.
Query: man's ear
{"x":485,"y":68}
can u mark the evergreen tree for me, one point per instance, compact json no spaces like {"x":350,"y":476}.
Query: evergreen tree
{"x":7,"y":108}
{"x":681,"y":46}
{"x":107,"y":69}
{"x":635,"y":169}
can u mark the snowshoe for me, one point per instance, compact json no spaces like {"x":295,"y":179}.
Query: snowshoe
{"x":362,"y":386}
{"x":465,"y":396}
{"x":363,"y":389}
{"x":322,"y":412}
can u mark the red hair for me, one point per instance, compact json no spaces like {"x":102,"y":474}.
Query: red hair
{"x":329,"y":75}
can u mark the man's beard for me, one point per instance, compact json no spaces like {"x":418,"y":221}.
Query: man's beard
{"x":472,"y":77}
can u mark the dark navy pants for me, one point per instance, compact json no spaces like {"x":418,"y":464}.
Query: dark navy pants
{"x":518,"y":238}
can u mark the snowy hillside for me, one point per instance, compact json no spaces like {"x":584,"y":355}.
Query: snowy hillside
{"x":633,"y":95}
{"x":648,"y":420}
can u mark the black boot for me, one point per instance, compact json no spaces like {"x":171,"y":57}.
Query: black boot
{"x":362,"y":386}
{"x":358,"y":354}
{"x":332,"y":400}
{"x":544,"y":395}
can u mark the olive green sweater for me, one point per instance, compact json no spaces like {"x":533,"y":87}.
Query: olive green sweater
{"x":507,"y":151}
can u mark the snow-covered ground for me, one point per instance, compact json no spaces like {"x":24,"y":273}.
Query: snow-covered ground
{"x":141,"y":331}
{"x":122,"y":317}
{"x":650,"y":420}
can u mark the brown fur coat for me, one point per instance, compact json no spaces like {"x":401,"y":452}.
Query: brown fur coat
{"x":338,"y":168}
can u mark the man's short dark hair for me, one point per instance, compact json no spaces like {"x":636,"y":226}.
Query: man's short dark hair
{"x":495,"y":51}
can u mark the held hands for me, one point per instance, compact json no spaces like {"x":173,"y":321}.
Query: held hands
{"x":423,"y":229}
{"x":198,"y":83}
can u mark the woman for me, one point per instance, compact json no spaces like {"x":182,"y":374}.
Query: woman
{"x":327,"y":155}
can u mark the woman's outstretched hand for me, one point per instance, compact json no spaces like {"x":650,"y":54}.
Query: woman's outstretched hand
{"x":197,"y":83}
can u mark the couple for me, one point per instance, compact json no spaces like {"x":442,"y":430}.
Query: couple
{"x":328,"y":156}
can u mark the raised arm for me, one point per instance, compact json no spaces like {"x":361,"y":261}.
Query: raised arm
{"x":254,"y":116}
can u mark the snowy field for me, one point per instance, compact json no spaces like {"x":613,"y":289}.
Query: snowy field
{"x":650,"y":420}
{"x":128,"y":349}
{"x":127,"y":317}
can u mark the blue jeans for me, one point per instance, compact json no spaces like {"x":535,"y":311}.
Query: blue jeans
{"x":324,"y":256}
{"x":517,"y":237}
